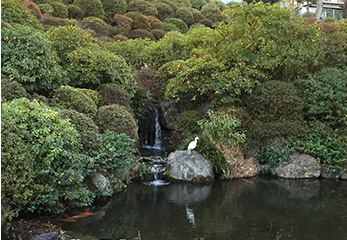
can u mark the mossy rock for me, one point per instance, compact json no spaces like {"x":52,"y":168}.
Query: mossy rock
{"x":116,"y":118}
{"x":67,"y":97}
{"x":12,"y":90}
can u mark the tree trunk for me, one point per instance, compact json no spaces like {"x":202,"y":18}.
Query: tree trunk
{"x":319,"y":9}
{"x":344,"y":11}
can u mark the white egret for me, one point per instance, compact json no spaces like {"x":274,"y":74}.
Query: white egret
{"x":192,"y":145}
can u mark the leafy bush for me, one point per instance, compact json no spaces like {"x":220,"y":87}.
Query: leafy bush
{"x":170,"y":27}
{"x":186,"y":15}
{"x":161,"y":80}
{"x":141,"y":33}
{"x":67,"y":97}
{"x":139,"y":102}
{"x":144,"y":78}
{"x":13,"y":12}
{"x":86,"y":127}
{"x":155,"y":23}
{"x":158,"y":34}
{"x":198,"y":16}
{"x":206,"y":22}
{"x":93,"y":94}
{"x":59,"y":10}
{"x":120,"y":37}
{"x":138,"y":20}
{"x":116,"y":118}
{"x":32,"y":8}
{"x":213,"y":12}
{"x":143,"y":7}
{"x":180,"y":24}
{"x":122,"y":21}
{"x":117,"y":157}
{"x":330,"y":20}
{"x":119,"y":30}
{"x":49,"y":21}
{"x":182,"y":3}
{"x":66,"y":39}
{"x":91,"y":8}
{"x":90,"y":67}
{"x":324,"y":95}
{"x":46,"y":8}
{"x":187,"y":122}
{"x":113,"y":94}
{"x":28,"y":58}
{"x":198,"y":4}
{"x":42,"y":167}
{"x":164,"y":10}
{"x":96,"y":24}
{"x":112,"y":7}
{"x":11,"y":90}
{"x":75,"y":11}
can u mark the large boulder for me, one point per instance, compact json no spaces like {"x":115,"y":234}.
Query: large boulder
{"x":187,"y":166}
{"x":97,"y":181}
{"x":303,"y":166}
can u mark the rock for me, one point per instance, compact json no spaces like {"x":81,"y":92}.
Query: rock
{"x":170,"y":110}
{"x":329,"y":174}
{"x":303,"y":166}
{"x":97,"y":181}
{"x":4,"y":207}
{"x":183,"y":166}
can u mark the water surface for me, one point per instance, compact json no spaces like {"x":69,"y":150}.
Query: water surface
{"x":256,"y":208}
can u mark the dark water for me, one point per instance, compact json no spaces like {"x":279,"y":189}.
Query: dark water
{"x":257,"y":208}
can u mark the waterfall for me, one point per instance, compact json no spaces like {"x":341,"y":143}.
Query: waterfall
{"x":157,"y":142}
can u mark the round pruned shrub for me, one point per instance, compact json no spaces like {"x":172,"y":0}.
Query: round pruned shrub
{"x":93,"y":94}
{"x":122,"y":21}
{"x":90,"y":67}
{"x":96,"y":24}
{"x":138,"y":20}
{"x":145,"y":78}
{"x":141,"y":33}
{"x":180,"y":24}
{"x":32,"y":8}
{"x":119,"y":30}
{"x":212,"y":11}
{"x":186,"y":122}
{"x":171,"y":4}
{"x":182,"y":3}
{"x":91,"y":8}
{"x":12,"y":90}
{"x":170,"y":27}
{"x":330,"y":20}
{"x":46,"y":8}
{"x":86,"y":127}
{"x":112,"y":7}
{"x":186,"y":15}
{"x":59,"y":10}
{"x":75,"y":11}
{"x":49,"y":21}
{"x":116,"y":118}
{"x":164,"y":10}
{"x":114,"y":94}
{"x":207,"y":22}
{"x":155,"y":23}
{"x":198,"y":16}
{"x":158,"y":34}
{"x":67,"y":97}
{"x":120,"y":37}
{"x":143,"y":7}
{"x":198,"y":4}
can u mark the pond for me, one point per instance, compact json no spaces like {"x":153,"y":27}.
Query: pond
{"x":256,"y":208}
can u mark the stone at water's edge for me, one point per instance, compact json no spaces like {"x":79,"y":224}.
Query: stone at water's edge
{"x":303,"y":166}
{"x":182,"y":166}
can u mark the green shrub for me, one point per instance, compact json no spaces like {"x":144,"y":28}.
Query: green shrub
{"x":164,"y":10}
{"x":112,"y":7}
{"x":158,"y":34}
{"x":186,"y":15}
{"x":66,"y":39}
{"x":182,"y":3}
{"x":95,"y":95}
{"x":213,"y":12}
{"x":170,"y":27}
{"x":330,"y":20}
{"x":90,"y":67}
{"x":60,"y":10}
{"x":324,"y":95}
{"x":198,"y":16}
{"x":11,"y":90}
{"x":198,"y":4}
{"x":116,"y":118}
{"x":13,"y":12}
{"x":143,"y":7}
{"x":141,"y":33}
{"x":155,"y":23}
{"x":170,"y":3}
{"x":145,"y":78}
{"x":96,"y":24}
{"x":86,"y":127}
{"x":182,"y":26}
{"x":138,"y":20}
{"x":113,"y":94}
{"x":161,"y":80}
{"x":120,"y":37}
{"x":139,"y":102}
{"x":116,"y":157}
{"x":27,"y":57}
{"x":122,"y":21}
{"x":206,"y":22}
{"x":67,"y":97}
{"x":42,"y":164}
{"x":75,"y":11}
{"x":46,"y":8}
{"x":91,"y":8}
{"x":49,"y":21}
{"x":186,"y":122}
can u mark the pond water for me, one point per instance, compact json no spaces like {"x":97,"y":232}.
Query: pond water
{"x":256,"y":208}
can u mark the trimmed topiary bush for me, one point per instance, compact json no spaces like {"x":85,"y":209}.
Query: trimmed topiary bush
{"x":116,"y":118}
{"x":67,"y":97}
{"x":32,"y":8}
{"x":182,"y":3}
{"x":90,"y":67}
{"x":120,"y":37}
{"x":141,"y":33}
{"x":186,"y":122}
{"x":91,"y":8}
{"x":158,"y":34}
{"x":164,"y":10}
{"x":198,"y":16}
{"x":186,"y":15}
{"x":112,"y":7}
{"x":138,"y":20}
{"x":143,"y":7}
{"x":46,"y":8}
{"x":49,"y":21}
{"x":27,"y":57}
{"x":206,"y":22}
{"x":198,"y":4}
{"x":75,"y":11}
{"x":213,"y":12}
{"x":60,"y":10}
{"x":170,"y":27}
{"x":155,"y":23}
{"x":11,"y":90}
{"x":93,"y":94}
{"x":122,"y":21}
{"x":96,"y":24}
{"x":113,"y":94}
{"x":180,"y":24}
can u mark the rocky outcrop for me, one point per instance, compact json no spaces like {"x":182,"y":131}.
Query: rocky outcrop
{"x":170,"y":110}
{"x":97,"y":181}
{"x":184,"y":166}
{"x":303,"y":166}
